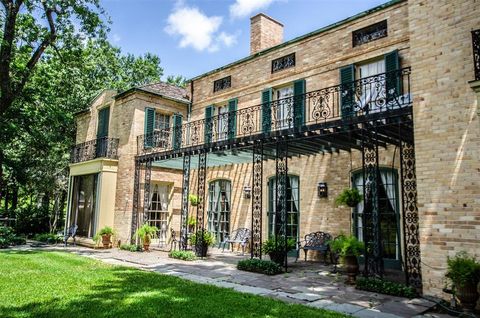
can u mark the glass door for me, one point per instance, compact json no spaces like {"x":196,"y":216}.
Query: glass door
{"x":219,"y":209}
{"x":158,"y":211}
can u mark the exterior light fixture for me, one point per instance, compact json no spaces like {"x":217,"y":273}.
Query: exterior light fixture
{"x":247,"y":192}
{"x":322,"y":190}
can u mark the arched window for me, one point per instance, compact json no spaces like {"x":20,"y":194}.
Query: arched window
{"x":389,"y":212}
{"x":219,"y":196}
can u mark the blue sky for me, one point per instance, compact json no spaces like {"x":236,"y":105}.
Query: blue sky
{"x":195,"y":36}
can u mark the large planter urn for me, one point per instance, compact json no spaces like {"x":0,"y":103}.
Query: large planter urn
{"x":106,"y":240}
{"x":201,"y":251}
{"x":467,"y":295}
{"x":277,"y":257}
{"x":351,"y":267}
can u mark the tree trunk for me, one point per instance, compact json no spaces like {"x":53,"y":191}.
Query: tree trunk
{"x":1,"y":177}
{"x":14,"y":198}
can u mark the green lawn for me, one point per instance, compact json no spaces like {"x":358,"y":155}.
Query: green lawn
{"x":52,"y":284}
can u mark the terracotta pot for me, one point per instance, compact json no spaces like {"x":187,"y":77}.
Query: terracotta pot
{"x":106,"y":240}
{"x":146,"y":243}
{"x":351,"y":267}
{"x":468,"y":295}
{"x":277,"y":257}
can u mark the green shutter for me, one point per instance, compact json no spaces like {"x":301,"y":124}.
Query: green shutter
{"x":266,"y":118}
{"x":208,"y":124}
{"x":103,"y":118}
{"x":347,"y":93}
{"x":149,"y":125}
{"x":299,"y":103}
{"x":392,"y":80}
{"x":232,"y":118}
{"x":177,"y":131}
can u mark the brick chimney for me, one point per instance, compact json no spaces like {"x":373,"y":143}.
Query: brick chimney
{"x":265,"y":32}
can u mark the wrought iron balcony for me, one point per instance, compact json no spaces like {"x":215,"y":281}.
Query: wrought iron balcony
{"x":476,"y":53}
{"x":367,"y":97}
{"x":98,"y":148}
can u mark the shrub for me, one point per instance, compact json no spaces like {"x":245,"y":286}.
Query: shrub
{"x":259,"y":266}
{"x":273,"y":245}
{"x":8,"y":237}
{"x":49,"y":238}
{"x":347,"y":246}
{"x":183,"y":255}
{"x":131,"y":247}
{"x":385,"y":287}
{"x":349,"y":197}
{"x":208,"y":238}
{"x":463,"y":269}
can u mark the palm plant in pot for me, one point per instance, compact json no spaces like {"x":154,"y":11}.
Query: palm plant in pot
{"x":349,"y":248}
{"x":277,"y":248}
{"x":464,"y":272}
{"x":349,"y":197}
{"x":146,"y":233}
{"x":202,"y":240}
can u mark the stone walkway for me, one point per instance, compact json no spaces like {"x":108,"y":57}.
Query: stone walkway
{"x":307,"y":283}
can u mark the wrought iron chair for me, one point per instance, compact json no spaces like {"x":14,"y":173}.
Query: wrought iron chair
{"x":316,"y":241}
{"x":71,"y":232}
{"x":240,"y":236}
{"x":173,"y":240}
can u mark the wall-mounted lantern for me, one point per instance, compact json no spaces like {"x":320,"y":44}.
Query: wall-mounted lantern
{"x":322,"y":190}
{"x":247,"y":192}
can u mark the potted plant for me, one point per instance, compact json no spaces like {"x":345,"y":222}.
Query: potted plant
{"x":276,"y":249}
{"x":349,"y":248}
{"x":106,"y":233}
{"x":191,"y":224}
{"x":464,"y":272}
{"x":202,"y":240}
{"x":193,"y":199}
{"x":350,"y":197}
{"x":146,"y":233}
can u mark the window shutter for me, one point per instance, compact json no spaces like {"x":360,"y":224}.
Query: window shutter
{"x":177,"y":131}
{"x":232,"y":118}
{"x":266,"y":110}
{"x":149,"y":126}
{"x":103,"y":118}
{"x":299,"y":103}
{"x":208,"y":124}
{"x":392,"y":79}
{"x":347,"y":93}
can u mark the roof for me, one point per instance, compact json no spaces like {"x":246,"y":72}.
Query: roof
{"x":161,"y":89}
{"x":302,"y":37}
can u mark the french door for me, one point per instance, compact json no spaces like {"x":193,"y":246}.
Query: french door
{"x":219,"y":196}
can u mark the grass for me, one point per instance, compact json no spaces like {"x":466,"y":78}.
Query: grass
{"x":54,"y":284}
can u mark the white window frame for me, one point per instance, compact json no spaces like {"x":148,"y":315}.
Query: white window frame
{"x":283,"y":106}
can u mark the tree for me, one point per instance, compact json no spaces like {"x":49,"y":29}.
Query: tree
{"x":177,"y":80}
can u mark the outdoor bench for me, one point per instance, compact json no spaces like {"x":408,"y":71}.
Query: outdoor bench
{"x":316,"y":241}
{"x":240,"y":236}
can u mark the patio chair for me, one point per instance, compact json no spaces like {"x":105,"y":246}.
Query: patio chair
{"x":174,"y":241}
{"x":71,"y":232}
{"x":240,"y":236}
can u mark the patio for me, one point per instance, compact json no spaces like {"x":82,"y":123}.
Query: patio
{"x":308,"y":283}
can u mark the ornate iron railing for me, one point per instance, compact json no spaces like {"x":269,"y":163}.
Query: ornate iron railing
{"x":363,"y":97}
{"x":98,"y":148}
{"x":476,"y":53}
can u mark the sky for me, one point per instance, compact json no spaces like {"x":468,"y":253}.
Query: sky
{"x":192,"y":37}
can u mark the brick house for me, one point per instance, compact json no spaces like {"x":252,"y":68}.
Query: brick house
{"x":385,"y":101}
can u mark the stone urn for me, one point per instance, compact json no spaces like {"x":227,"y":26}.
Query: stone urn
{"x":277,"y":257}
{"x":351,"y":267}
{"x":467,"y":295}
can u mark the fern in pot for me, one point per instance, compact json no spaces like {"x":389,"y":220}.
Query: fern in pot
{"x":464,"y":272}
{"x":349,"y":197}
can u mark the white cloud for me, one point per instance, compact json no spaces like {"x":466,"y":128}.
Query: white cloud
{"x":197,"y":29}
{"x":116,"y":38}
{"x":243,"y":8}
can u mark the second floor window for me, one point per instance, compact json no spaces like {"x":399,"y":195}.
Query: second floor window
{"x":162,"y":121}
{"x":372,"y":91}
{"x":283,"y":107}
{"x":222,"y":122}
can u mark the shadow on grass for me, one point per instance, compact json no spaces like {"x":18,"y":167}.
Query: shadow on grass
{"x":125,"y":292}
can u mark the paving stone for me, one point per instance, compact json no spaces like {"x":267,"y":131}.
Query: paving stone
{"x":401,"y":308}
{"x":372,"y":313}
{"x":322,"y":303}
{"x":306,"y":296}
{"x":420,"y":302}
{"x":252,"y":290}
{"x":345,"y":308}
